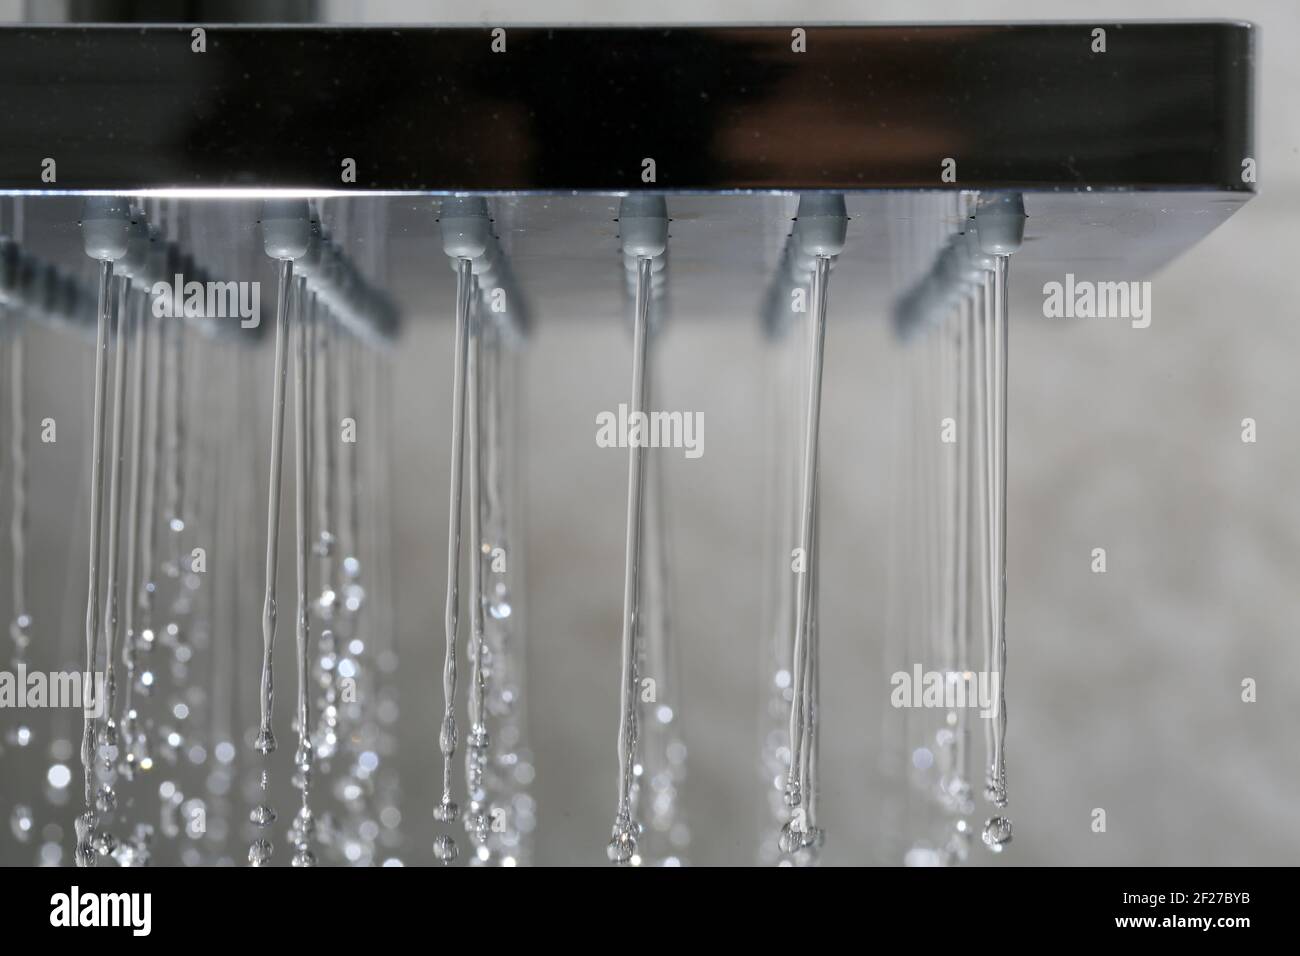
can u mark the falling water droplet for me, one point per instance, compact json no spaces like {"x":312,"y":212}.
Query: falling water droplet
{"x":259,"y":852}
{"x":957,"y":849}
{"x":623,"y":842}
{"x":997,"y":833}
{"x":21,"y":823}
{"x":444,"y":849}
{"x":105,"y":799}
{"x":446,"y":810}
{"x":324,"y":546}
{"x":791,"y":838}
{"x":20,"y":631}
{"x":477,"y":825}
{"x":261,"y":815}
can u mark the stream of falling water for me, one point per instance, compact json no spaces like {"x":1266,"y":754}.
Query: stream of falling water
{"x":143,"y":741}
{"x":622,"y":846}
{"x":304,"y":822}
{"x":663,"y":750}
{"x":477,"y":740}
{"x":444,"y":847}
{"x":263,"y":815}
{"x":786,"y":392}
{"x":22,"y":818}
{"x":134,"y":534}
{"x":509,"y":771}
{"x":107,"y":750}
{"x":86,"y":851}
{"x":998,"y":829}
{"x":801,"y":830}
{"x":322,"y":381}
{"x":955,"y":534}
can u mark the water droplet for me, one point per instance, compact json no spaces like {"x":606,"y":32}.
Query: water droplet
{"x":21,"y":823}
{"x":791,"y":838}
{"x":59,"y":776}
{"x":955,"y":793}
{"x":478,"y":738}
{"x":21,"y":631}
{"x":262,"y":815}
{"x":622,"y":845}
{"x":444,"y":849}
{"x":997,"y":833}
{"x":324,"y":546}
{"x":259,"y":852}
{"x":446,"y":811}
{"x":957,"y":849}
{"x":132,"y":852}
{"x":354,"y":595}
{"x":302,"y":829}
{"x":477,"y":825}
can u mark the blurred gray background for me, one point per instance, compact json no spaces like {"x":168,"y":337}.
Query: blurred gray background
{"x":1124,"y":688}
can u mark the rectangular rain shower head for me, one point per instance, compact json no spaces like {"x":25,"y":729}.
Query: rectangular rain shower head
{"x":285,"y":309}
{"x":1166,"y":106}
{"x":1140,"y":140}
